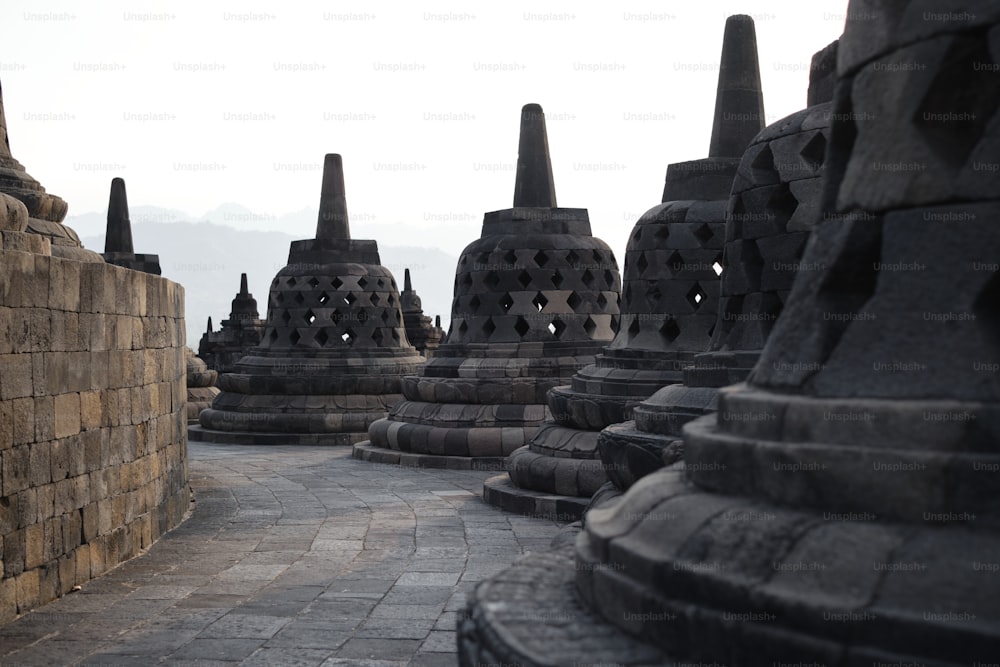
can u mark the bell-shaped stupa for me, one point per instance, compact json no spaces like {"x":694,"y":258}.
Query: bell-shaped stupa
{"x":670,"y":298}
{"x":774,"y":204}
{"x":421,"y":330}
{"x":536,"y":298}
{"x":118,"y":237}
{"x":223,"y":349}
{"x":334,"y":348}
{"x":45,"y":211}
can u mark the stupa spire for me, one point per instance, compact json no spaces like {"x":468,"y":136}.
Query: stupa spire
{"x":534,"y":185}
{"x":333,"y":223}
{"x":739,"y":100}
{"x":118,"y":236}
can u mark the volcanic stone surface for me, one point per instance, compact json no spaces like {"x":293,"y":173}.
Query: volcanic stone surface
{"x":536,"y":298}
{"x":334,"y":350}
{"x":201,"y":389}
{"x":669,"y":308}
{"x":773,"y":207}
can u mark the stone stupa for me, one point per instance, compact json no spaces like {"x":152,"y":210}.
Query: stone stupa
{"x":422,"y":332}
{"x":536,"y":298}
{"x":334,"y":349}
{"x":840,"y":508}
{"x":45,"y":211}
{"x":237,"y":334}
{"x":669,"y":305}
{"x":774,"y":204}
{"x":118,"y":248}
{"x":201,"y":389}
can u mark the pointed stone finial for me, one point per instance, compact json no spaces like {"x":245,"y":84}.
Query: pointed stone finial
{"x":118,"y":237}
{"x":333,"y":223}
{"x":407,"y":287}
{"x":534,"y":185}
{"x":437,"y":321}
{"x":243,"y":285}
{"x":209,"y":324}
{"x":4,"y":141}
{"x":739,"y":100}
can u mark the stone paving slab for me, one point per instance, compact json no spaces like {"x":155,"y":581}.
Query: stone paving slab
{"x":294,"y":555}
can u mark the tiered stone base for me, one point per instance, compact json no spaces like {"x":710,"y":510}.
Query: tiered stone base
{"x":197,"y":433}
{"x":502,"y":622}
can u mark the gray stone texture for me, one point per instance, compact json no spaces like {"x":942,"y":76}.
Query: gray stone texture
{"x":333,"y":351}
{"x":536,"y":298}
{"x":773,"y":205}
{"x":93,"y":458}
{"x":118,"y":248}
{"x":840,"y":506}
{"x":201,"y":389}
{"x":670,"y":299}
{"x":421,"y":332}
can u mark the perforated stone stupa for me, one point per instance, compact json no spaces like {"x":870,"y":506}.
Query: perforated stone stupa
{"x":334,"y":348}
{"x":423,"y":333}
{"x":840,"y":508}
{"x":222,"y":349}
{"x":45,"y":211}
{"x":118,"y":248}
{"x":536,"y":298}
{"x":774,"y":204}
{"x":669,"y":307}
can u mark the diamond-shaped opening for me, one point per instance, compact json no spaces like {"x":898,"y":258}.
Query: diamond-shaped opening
{"x":675,"y":262}
{"x":572,"y":258}
{"x":294,"y":337}
{"x":380,"y":282}
{"x":711,"y":331}
{"x":378,"y":336}
{"x":393,"y":283}
{"x":557,"y":327}
{"x":362,"y":282}
{"x":557,"y":279}
{"x":274,"y":335}
{"x":489,"y":327}
{"x":391,"y":300}
{"x":814,"y":150}
{"x":696,"y":296}
{"x":590,"y":326}
{"x":506,"y":301}
{"x":524,"y":278}
{"x":375,"y":298}
{"x":521,"y":327}
{"x":764,"y":159}
{"x":484,"y":258}
{"x":385,"y":316}
{"x":321,"y":337}
{"x":703,"y":233}
{"x":717,"y":266}
{"x":313,"y":282}
{"x":395,"y":335}
{"x":783,"y":203}
{"x":291,"y":282}
{"x":634,"y":328}
{"x":350,"y":298}
{"x":510,"y":258}
{"x":467,"y":280}
{"x":602,"y":300}
{"x":337,"y":282}
{"x":670,"y":331}
{"x":587,"y":278}
{"x":637,"y":234}
{"x":463,"y":327}
{"x":641,"y":263}
{"x":335,"y":316}
{"x":309,"y":317}
{"x":609,"y":277}
{"x":363,"y":316}
{"x":662,"y":232}
{"x":492,"y":279}
{"x":299,"y":298}
{"x":653,"y":293}
{"x":540,"y":301}
{"x":598,"y":257}
{"x":286,"y":317}
{"x":541,"y":258}
{"x":474,"y":303}
{"x":348,"y":336}
{"x":573,"y":300}
{"x":280,"y":298}
{"x":323,"y":298}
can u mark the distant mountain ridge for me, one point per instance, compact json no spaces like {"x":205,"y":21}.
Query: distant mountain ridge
{"x":207,"y":258}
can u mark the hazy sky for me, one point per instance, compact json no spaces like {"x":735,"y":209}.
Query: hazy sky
{"x":197,"y":104}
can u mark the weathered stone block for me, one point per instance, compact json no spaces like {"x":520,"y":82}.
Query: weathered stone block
{"x":15,"y":376}
{"x":67,"y":415}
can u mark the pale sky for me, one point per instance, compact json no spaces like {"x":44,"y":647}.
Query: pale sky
{"x":197,"y":104}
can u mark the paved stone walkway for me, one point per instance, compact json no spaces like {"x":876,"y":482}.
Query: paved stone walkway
{"x":293,"y":556}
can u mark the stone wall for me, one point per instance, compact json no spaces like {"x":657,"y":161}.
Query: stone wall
{"x":93,"y":447}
